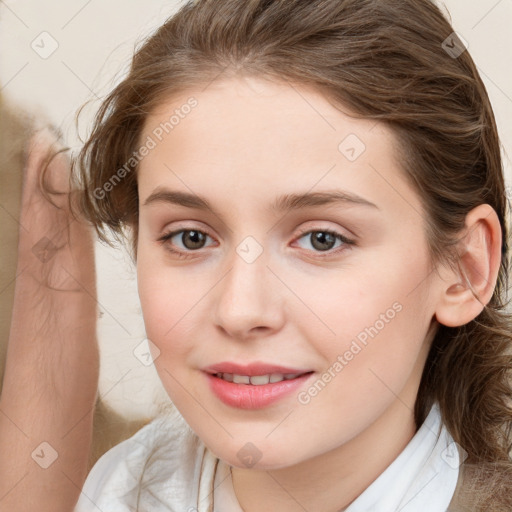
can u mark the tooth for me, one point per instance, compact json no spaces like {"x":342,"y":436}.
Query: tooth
{"x":241,"y":379}
{"x":259,"y":380}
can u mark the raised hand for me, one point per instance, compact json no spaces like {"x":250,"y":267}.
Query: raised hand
{"x":52,"y":366}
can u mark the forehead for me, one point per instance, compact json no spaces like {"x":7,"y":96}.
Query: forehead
{"x":254,"y":108}
{"x":252,"y":104}
{"x":266,"y":135}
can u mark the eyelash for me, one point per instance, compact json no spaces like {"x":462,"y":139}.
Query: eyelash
{"x":322,"y":254}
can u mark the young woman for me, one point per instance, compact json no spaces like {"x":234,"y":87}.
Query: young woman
{"x":313,"y":193}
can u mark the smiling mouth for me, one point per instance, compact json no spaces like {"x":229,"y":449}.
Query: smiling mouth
{"x":256,"y":391}
{"x":258,"y":380}
{"x":255,"y":384}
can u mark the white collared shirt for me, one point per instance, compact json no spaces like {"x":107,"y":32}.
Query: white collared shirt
{"x":178,"y":473}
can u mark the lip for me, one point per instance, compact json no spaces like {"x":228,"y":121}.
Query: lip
{"x":246,"y":396}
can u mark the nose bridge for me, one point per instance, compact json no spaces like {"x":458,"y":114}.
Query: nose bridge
{"x":247,"y":298}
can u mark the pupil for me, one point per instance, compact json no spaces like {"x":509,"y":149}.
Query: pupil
{"x":194,"y":237}
{"x":321,"y":239}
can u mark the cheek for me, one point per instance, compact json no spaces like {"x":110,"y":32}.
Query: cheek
{"x":376,"y":318}
{"x":168,"y":308}
{"x":375,"y":357}
{"x":168,"y":302}
{"x":364,"y":298}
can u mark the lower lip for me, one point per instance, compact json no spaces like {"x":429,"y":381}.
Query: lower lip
{"x":247,"y":396}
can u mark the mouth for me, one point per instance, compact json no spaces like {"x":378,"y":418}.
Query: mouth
{"x":257,"y":380}
{"x":255,"y":385}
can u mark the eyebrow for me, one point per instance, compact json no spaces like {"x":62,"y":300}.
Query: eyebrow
{"x":283,"y":203}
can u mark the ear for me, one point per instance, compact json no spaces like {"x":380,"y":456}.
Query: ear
{"x":468,"y":289}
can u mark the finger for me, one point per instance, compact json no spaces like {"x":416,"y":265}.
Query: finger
{"x":43,"y":221}
{"x":45,"y":162}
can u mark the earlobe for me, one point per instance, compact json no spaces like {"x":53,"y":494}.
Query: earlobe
{"x":469,"y":288}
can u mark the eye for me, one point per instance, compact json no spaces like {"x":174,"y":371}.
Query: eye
{"x":324,"y":240}
{"x":190,"y":239}
{"x":321,"y":241}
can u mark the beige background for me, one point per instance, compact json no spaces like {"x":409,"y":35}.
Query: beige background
{"x":92,"y":42}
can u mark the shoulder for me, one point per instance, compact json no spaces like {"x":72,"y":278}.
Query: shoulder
{"x":157,"y":469}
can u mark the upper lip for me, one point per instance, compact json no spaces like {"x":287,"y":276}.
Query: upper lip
{"x":252,"y":369}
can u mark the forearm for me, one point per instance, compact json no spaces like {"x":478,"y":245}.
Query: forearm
{"x":49,"y":390}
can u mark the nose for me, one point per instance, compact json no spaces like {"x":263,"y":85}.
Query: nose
{"x":249,"y":299}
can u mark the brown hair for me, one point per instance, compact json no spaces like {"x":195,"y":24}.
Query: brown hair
{"x":386,"y":60}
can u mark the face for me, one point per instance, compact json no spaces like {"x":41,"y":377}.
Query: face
{"x":278,"y":239}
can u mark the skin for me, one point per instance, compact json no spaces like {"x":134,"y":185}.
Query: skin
{"x":52,"y":365}
{"x":247,"y":142}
